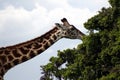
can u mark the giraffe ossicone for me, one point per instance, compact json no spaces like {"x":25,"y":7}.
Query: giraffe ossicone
{"x":12,"y":55}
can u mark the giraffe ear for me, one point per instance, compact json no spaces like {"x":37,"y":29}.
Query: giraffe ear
{"x":59,"y":25}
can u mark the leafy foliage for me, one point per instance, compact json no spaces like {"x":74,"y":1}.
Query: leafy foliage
{"x":98,"y":57}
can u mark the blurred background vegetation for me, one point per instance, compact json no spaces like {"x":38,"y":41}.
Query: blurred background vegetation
{"x":98,"y":57}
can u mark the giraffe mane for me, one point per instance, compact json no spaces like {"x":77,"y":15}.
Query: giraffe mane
{"x":14,"y":46}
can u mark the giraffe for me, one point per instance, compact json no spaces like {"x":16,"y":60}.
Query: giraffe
{"x":10,"y":56}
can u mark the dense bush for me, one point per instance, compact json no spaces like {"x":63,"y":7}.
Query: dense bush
{"x":98,"y":57}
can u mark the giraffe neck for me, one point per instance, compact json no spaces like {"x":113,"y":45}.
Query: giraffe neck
{"x":13,"y":55}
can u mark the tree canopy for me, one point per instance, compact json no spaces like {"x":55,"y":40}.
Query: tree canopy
{"x":98,"y":57}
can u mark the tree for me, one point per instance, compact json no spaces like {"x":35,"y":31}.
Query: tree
{"x":98,"y":57}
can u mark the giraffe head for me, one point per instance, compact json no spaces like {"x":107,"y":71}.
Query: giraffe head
{"x":69,"y":31}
